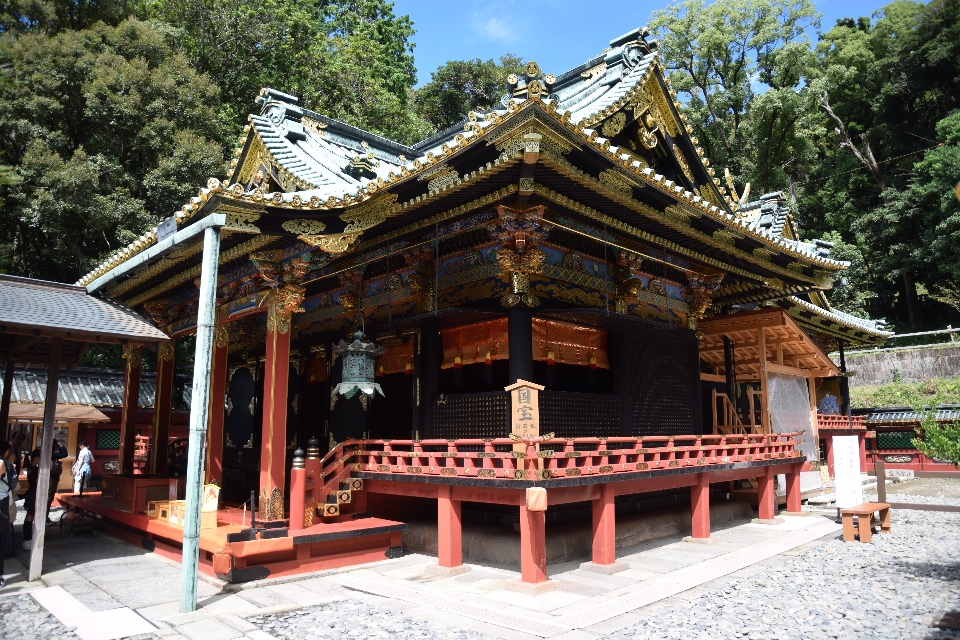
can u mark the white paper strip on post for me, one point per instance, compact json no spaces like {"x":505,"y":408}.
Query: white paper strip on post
{"x":846,"y":469}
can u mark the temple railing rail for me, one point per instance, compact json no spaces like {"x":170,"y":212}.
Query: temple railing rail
{"x":549,"y":459}
{"x":831,"y":421}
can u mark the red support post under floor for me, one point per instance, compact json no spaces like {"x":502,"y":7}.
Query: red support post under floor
{"x":533,"y":545}
{"x":793,"y":490}
{"x":767,"y":507}
{"x":700,"y":508}
{"x":449,"y":539}
{"x":604,"y":527}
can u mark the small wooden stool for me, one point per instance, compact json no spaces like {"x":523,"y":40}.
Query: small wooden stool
{"x":864,"y":513}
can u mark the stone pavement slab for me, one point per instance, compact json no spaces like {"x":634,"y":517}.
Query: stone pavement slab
{"x":209,"y":629}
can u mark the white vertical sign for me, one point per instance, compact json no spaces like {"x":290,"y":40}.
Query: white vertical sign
{"x":846,"y":470}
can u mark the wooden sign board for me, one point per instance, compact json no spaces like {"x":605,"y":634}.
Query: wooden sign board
{"x":846,"y":469}
{"x":899,"y":473}
{"x":524,"y":409}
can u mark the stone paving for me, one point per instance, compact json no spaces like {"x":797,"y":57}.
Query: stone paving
{"x":893,"y":588}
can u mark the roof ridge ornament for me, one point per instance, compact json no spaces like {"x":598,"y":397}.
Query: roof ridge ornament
{"x":532,"y":85}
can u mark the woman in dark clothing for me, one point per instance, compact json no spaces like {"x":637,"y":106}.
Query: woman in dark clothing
{"x":30,"y":497}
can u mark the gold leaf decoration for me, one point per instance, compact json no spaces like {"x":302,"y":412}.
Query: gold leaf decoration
{"x":370,"y":214}
{"x":614,"y":124}
{"x":304,"y":227}
{"x":615,"y":182}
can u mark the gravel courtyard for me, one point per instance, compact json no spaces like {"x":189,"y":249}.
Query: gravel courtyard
{"x":895,"y":587}
{"x":892,"y":588}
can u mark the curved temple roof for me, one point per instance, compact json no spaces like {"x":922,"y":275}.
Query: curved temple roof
{"x":300,"y":174}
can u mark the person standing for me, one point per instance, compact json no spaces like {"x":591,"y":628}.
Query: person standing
{"x":7,"y":471}
{"x":30,"y":497}
{"x":81,"y":468}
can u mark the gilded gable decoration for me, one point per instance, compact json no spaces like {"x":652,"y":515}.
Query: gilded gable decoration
{"x":304,"y":227}
{"x":681,"y":214}
{"x":332,"y":243}
{"x":550,"y":144}
{"x":315,"y":126}
{"x":371,"y":213}
{"x":615,"y":182}
{"x":726,"y":238}
{"x":240,"y":218}
{"x":614,"y":124}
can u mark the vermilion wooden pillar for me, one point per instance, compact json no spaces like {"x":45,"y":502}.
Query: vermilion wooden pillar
{"x":700,"y":508}
{"x":828,"y":442}
{"x":793,"y":490}
{"x":133,"y":353}
{"x":604,"y":527}
{"x":283,"y":300}
{"x":161,"y":407}
{"x":767,"y":501}
{"x":218,"y":391}
{"x":533,"y":545}
{"x":449,"y":538}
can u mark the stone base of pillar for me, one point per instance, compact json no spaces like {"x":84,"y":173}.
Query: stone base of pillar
{"x":606,"y":569}
{"x":768,"y":521}
{"x":698,"y":540}
{"x":531,"y":588}
{"x":446,"y":572}
{"x":797,"y":513}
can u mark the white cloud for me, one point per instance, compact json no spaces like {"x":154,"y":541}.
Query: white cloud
{"x":492,"y":24}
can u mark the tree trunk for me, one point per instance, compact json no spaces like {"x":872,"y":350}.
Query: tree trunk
{"x":913,"y":305}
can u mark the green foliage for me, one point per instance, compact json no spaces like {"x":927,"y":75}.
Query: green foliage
{"x":938,"y":441}
{"x":907,"y":394}
{"x":349,"y":60}
{"x":717,"y":54}
{"x":110,"y":131}
{"x":892,"y":82}
{"x":461,"y":86}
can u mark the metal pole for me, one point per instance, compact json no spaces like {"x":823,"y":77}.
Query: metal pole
{"x":46,"y":453}
{"x":199,"y":413}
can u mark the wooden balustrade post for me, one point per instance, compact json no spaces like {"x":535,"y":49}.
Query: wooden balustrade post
{"x":793,"y":490}
{"x":298,"y":491}
{"x":700,"y":508}
{"x":489,"y":453}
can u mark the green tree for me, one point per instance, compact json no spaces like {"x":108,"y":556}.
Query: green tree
{"x":742,"y":67}
{"x":110,"y":130}
{"x":461,"y":86}
{"x":351,"y":60}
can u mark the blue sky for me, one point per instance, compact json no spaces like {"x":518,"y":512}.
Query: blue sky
{"x":558,"y":34}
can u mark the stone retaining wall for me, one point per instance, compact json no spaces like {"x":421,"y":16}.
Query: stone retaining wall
{"x":570,"y":542}
{"x":913,"y":365}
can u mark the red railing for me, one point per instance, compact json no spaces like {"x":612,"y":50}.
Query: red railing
{"x":829,"y":421}
{"x":557,"y":458}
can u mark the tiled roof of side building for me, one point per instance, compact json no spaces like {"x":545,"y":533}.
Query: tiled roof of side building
{"x":88,"y":386}
{"x":50,"y":305}
{"x":875,"y":327}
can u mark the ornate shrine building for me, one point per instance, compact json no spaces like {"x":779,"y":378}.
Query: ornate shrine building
{"x":574,"y":237}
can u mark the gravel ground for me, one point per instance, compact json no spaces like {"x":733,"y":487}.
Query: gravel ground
{"x":929,"y":487}
{"x":23,"y":619}
{"x":893,"y":588}
{"x":352,"y":620}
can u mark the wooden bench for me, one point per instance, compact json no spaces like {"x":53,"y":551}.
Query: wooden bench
{"x":866,"y":521}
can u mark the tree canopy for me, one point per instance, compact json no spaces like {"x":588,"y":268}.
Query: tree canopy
{"x":113,"y":113}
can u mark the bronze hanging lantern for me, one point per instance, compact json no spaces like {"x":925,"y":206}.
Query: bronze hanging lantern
{"x":359,"y":367}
